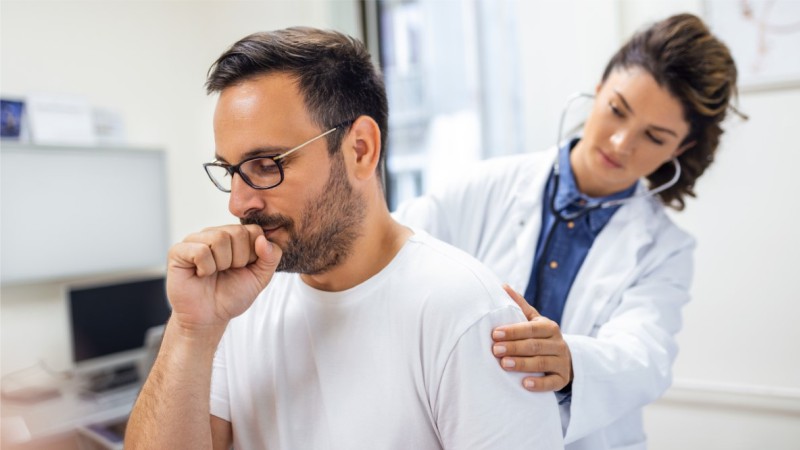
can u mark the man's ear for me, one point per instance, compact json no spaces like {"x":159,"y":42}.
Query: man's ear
{"x":362,"y":147}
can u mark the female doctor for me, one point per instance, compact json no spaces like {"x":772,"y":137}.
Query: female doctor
{"x":603,"y":270}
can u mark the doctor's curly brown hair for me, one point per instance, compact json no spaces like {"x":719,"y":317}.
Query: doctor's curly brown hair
{"x":698,"y":69}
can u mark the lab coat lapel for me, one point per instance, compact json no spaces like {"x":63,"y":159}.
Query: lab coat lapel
{"x":527,"y":221}
{"x":612,"y":259}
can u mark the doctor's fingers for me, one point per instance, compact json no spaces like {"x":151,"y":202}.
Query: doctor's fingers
{"x":556,"y":372}
{"x":231,"y":246}
{"x":547,"y":383}
{"x":534,"y":364}
{"x":530,"y":347}
{"x":538,"y":327}
{"x":529,"y":311}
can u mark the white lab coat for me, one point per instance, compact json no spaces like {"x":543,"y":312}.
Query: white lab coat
{"x":624,"y":307}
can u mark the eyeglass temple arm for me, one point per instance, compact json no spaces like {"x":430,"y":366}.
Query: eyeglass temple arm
{"x":288,"y":152}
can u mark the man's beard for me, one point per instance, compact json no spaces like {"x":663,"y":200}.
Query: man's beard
{"x":328,"y":226}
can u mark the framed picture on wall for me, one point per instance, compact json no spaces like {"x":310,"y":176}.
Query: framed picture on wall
{"x":11,"y":118}
{"x":764,"y":37}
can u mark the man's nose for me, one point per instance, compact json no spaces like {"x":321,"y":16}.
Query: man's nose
{"x":243,"y":198}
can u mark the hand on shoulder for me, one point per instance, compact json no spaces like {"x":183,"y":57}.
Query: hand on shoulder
{"x":535,"y":346}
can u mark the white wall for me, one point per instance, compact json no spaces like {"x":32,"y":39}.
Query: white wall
{"x":564,"y":46}
{"x":147,"y":60}
{"x":740,"y":334}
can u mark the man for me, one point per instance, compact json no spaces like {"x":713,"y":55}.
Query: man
{"x":375,"y":336}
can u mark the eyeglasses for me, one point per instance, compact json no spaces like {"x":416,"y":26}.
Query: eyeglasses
{"x":259,"y":172}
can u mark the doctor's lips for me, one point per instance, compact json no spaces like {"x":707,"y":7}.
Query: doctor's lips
{"x":610,"y":161}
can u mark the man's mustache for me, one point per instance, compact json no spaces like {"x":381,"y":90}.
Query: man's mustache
{"x":268,"y":222}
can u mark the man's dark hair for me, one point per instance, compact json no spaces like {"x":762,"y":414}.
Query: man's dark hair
{"x":334,"y":72}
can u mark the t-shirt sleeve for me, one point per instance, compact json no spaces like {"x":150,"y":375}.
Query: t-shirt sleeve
{"x":220,"y":399}
{"x":481,"y":406}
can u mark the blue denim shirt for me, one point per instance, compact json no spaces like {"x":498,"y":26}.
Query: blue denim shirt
{"x":563,"y":245}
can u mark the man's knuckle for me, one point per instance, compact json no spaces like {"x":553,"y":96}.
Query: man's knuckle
{"x":239,"y":232}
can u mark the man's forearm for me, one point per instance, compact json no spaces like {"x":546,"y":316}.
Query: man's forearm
{"x":172,"y":410}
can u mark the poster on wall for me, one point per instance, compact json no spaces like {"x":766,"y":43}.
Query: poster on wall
{"x":764,"y":37}
{"x":11,"y":111}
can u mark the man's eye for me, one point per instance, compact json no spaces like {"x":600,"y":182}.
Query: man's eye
{"x":266,"y":167}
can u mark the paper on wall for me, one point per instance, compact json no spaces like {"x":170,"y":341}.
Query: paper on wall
{"x":60,"y":119}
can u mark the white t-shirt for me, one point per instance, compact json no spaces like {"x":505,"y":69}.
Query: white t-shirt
{"x":402,"y":361}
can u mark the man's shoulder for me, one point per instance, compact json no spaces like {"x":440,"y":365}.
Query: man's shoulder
{"x":460,"y":263}
{"x":451,"y":291}
{"x":454,"y":275}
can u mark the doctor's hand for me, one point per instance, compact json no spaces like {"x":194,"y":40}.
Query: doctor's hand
{"x":216,"y":274}
{"x":533,"y":346}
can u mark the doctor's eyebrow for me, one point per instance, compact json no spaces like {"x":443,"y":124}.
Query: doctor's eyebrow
{"x":628,"y":107}
{"x":624,"y":102}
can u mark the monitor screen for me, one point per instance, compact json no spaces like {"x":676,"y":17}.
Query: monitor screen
{"x":113,"y":319}
{"x":91,"y":197}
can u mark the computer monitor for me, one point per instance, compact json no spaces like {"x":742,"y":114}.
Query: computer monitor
{"x":109,"y":324}
{"x":97,"y":195}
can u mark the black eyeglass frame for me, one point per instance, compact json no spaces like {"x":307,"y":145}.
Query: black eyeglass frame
{"x":234,"y":169}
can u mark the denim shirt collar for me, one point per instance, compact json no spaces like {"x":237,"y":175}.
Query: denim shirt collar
{"x":569,"y":198}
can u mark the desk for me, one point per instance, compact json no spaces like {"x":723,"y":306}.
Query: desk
{"x":25,"y":424}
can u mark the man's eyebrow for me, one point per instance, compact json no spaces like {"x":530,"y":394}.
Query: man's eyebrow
{"x":260,"y":151}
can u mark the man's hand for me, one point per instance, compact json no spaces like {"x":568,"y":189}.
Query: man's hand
{"x":533,"y":346}
{"x":212,"y":277}
{"x":216,"y":274}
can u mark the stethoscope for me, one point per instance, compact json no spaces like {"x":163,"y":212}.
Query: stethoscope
{"x":605,"y":204}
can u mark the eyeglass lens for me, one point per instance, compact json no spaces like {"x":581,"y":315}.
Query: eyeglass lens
{"x":258,"y":172}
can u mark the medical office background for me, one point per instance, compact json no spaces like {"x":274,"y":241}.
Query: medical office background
{"x":467,"y":80}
